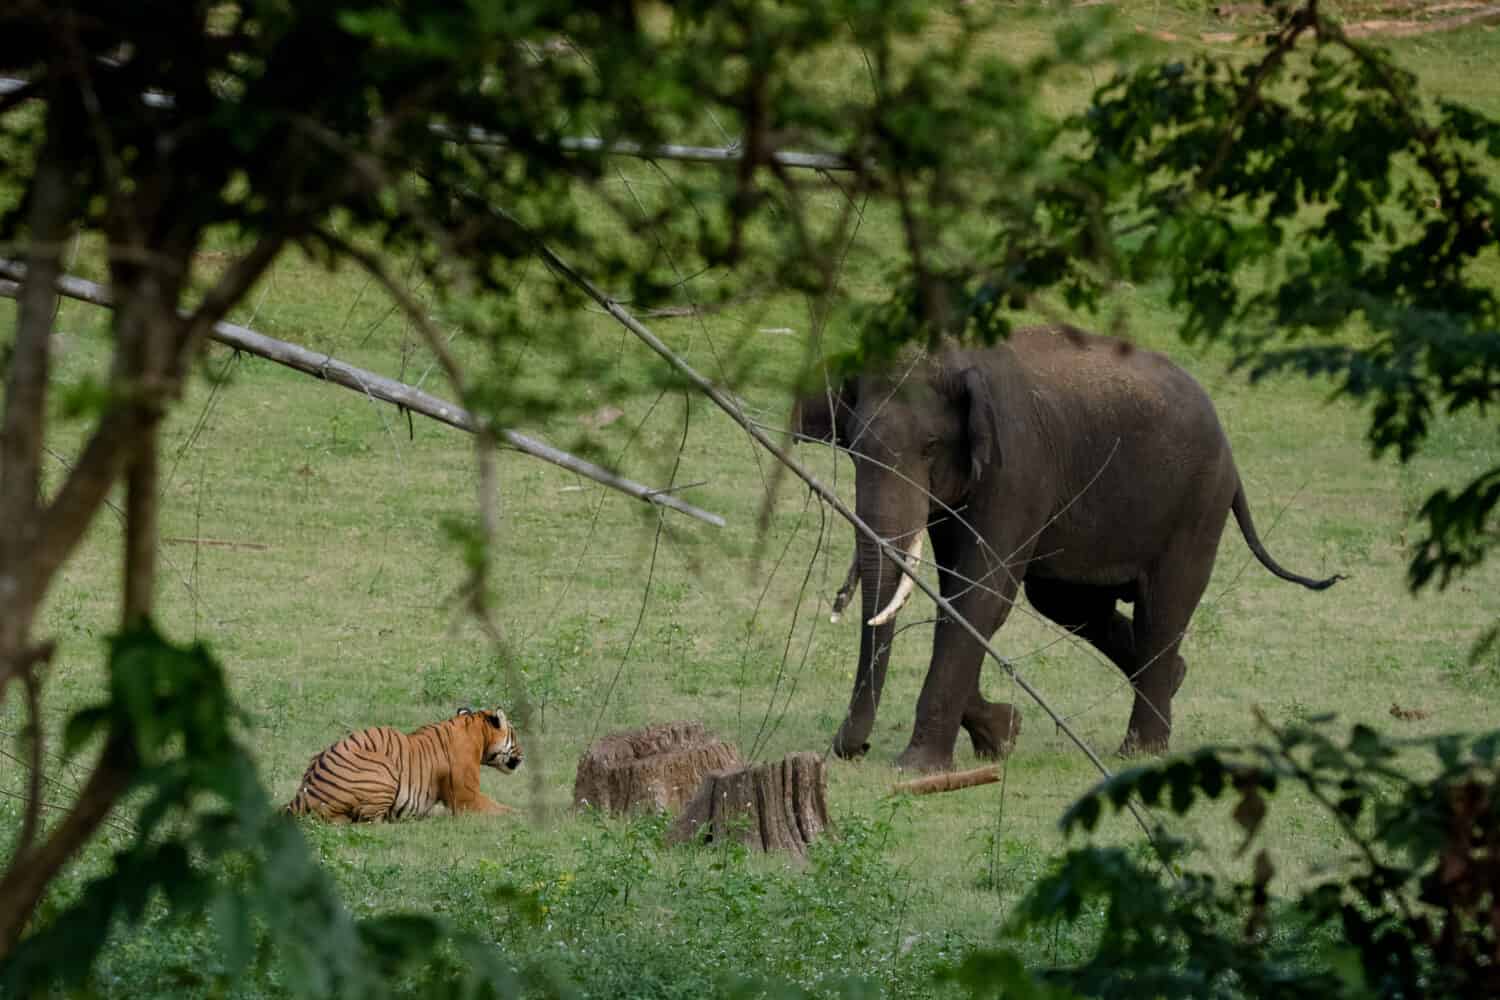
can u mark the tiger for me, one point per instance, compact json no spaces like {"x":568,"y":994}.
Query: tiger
{"x":380,"y":773}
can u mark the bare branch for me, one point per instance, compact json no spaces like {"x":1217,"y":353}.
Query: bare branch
{"x":25,"y":405}
{"x":72,"y":509}
{"x":728,"y":155}
{"x":33,"y":687}
{"x":228,"y":290}
{"x":15,"y":90}
{"x":27,"y":878}
{"x":436,"y":342}
{"x":387,"y":390}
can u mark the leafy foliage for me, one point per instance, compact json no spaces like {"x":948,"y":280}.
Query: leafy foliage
{"x":1410,"y":910}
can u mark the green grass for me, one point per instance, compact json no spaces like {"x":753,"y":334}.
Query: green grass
{"x":346,"y":618}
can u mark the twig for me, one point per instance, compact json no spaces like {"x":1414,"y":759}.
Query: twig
{"x":217,"y":543}
{"x":111,"y":823}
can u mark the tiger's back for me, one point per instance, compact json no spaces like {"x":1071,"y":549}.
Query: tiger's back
{"x":380,"y":773}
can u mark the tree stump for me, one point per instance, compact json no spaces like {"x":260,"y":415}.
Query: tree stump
{"x":781,"y":806}
{"x":655,"y":768}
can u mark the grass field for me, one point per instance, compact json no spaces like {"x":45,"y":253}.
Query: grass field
{"x":332,"y":609}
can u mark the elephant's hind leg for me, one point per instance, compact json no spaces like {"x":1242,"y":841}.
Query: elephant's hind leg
{"x":1168,"y":598}
{"x":1089,"y":612}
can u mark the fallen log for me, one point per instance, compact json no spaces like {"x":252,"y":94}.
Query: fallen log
{"x":373,"y":386}
{"x":780,"y":806}
{"x":949,"y":781}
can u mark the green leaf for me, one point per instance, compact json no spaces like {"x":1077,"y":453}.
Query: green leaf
{"x":1085,"y":812}
{"x":83,"y":726}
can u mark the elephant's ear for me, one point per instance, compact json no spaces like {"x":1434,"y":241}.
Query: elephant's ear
{"x":983,"y":421}
{"x":816,"y":415}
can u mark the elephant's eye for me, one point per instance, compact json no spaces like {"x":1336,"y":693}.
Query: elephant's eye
{"x":930,"y":446}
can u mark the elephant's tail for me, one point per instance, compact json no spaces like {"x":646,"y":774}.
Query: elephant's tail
{"x":1241,"y":508}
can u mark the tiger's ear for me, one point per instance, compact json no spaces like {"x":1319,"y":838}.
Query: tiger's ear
{"x":464,"y":711}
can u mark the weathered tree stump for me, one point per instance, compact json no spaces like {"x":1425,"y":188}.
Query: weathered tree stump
{"x":781,"y":806}
{"x":656,"y":768}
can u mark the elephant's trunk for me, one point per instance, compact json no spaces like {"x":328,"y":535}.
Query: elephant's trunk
{"x":880,"y":598}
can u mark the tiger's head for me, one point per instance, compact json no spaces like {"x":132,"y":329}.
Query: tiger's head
{"x":501,"y":749}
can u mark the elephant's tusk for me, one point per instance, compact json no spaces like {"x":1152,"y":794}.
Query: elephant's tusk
{"x":905,"y":587}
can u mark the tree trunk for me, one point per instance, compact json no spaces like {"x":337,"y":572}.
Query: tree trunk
{"x":655,"y":768}
{"x":781,"y":806}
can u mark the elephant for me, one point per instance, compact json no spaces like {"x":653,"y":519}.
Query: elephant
{"x":1085,"y":470}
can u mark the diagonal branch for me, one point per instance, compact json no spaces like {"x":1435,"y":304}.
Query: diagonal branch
{"x":94,"y":473}
{"x":23,"y":883}
{"x":387,"y":390}
{"x":14,"y":90}
{"x":33,"y":687}
{"x":228,"y":290}
{"x":24,"y":421}
{"x":436,"y":342}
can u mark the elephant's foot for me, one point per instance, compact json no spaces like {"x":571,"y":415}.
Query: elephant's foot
{"x":993,"y":728}
{"x":1152,"y":741}
{"x":915,"y":758}
{"x":1150,"y":727}
{"x":851,"y":740}
{"x":926,"y":757}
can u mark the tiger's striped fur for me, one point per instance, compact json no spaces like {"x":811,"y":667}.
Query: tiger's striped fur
{"x":381,"y":773}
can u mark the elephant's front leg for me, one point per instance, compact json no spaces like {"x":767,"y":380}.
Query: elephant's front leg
{"x":950,"y":695}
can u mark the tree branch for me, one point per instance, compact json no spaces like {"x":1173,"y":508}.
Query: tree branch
{"x":25,"y":403}
{"x":379,"y":387}
{"x":27,"y":877}
{"x":72,"y":509}
{"x":33,"y":688}
{"x":228,"y":290}
{"x":15,"y":90}
{"x":408,"y":305}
